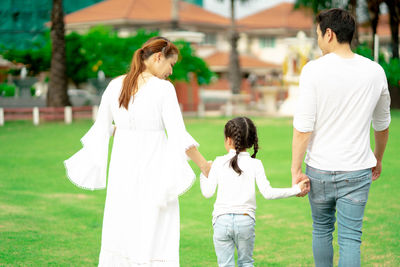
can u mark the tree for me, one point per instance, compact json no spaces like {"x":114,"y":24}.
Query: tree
{"x":189,"y":63}
{"x":373,"y":9}
{"x":394,"y":17}
{"x":352,"y":6}
{"x":235,"y":76}
{"x":175,"y":14}
{"x":57,"y":94}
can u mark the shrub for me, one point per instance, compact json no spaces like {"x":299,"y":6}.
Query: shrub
{"x":7,"y":90}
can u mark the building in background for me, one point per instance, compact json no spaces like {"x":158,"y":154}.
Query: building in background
{"x":274,"y":43}
{"x":263,"y":43}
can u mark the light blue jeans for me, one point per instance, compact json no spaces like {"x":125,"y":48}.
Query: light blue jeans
{"x":346,"y":193}
{"x":230,"y":231}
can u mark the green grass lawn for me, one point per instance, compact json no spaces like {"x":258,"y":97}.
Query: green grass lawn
{"x":46,"y":220}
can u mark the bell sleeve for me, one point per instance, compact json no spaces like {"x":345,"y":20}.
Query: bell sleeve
{"x":179,"y":176}
{"x":88,"y":167}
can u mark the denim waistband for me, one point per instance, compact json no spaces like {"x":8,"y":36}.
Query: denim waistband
{"x":332,"y":172}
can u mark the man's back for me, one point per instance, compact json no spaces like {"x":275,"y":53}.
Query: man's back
{"x":342,"y":96}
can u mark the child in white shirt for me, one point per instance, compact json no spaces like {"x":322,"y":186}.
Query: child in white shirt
{"x":236,"y":174}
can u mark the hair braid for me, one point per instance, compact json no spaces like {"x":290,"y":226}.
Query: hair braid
{"x":255,"y":146}
{"x":237,"y":139}
{"x":243,"y":133}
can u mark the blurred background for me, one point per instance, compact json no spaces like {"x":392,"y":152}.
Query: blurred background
{"x":237,"y":57}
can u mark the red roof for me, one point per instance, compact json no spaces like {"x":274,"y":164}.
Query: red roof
{"x":221,"y":59}
{"x":280,"y":16}
{"x":144,"y":11}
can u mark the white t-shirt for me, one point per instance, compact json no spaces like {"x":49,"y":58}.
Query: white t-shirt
{"x":338,"y":99}
{"x":236,"y":193}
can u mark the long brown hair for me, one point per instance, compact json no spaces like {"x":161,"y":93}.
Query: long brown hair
{"x":153,"y":45}
{"x":244,"y":135}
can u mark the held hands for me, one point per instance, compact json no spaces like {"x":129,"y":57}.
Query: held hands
{"x":304,"y":183}
{"x":304,"y":187}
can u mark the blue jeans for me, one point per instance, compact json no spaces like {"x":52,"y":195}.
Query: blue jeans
{"x":230,"y":231}
{"x":346,"y":192}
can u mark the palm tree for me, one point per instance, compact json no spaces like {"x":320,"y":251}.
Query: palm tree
{"x":394,"y":15}
{"x":234,"y":75}
{"x":353,"y":10}
{"x":57,"y":95}
{"x":373,"y":9}
{"x":175,"y":14}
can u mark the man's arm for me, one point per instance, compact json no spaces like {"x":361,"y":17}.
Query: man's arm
{"x":299,"y":146}
{"x":381,"y":138}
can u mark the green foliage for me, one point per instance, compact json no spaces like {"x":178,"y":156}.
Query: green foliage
{"x":391,"y":68}
{"x":102,"y":49}
{"x":77,"y":66}
{"x":314,"y":5}
{"x":7,"y":89}
{"x":37,"y":57}
{"x":318,"y":5}
{"x":364,"y":50}
{"x":189,"y":63}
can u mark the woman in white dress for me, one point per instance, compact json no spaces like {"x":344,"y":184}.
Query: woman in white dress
{"x":148,"y":167}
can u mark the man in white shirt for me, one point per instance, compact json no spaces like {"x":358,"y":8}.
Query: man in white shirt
{"x":340,"y":94}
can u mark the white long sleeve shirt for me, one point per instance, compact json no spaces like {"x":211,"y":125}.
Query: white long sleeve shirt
{"x":338,"y":99}
{"x":236,"y":193}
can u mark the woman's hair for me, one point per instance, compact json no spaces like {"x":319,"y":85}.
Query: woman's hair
{"x":153,"y":45}
{"x":243,"y":132}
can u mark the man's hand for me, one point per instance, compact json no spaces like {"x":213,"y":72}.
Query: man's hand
{"x":298,"y":177}
{"x":381,"y":138}
{"x":376,"y":171}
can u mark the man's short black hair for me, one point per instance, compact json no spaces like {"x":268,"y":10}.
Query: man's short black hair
{"x":340,"y":21}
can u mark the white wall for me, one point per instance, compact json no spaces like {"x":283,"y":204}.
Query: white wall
{"x":275,"y":54}
{"x":242,"y":9}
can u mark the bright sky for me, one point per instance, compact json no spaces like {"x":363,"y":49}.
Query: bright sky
{"x":242,"y":10}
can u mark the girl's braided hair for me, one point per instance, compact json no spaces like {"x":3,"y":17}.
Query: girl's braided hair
{"x":243,"y":132}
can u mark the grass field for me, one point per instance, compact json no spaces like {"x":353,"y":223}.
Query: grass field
{"x":46,"y":220}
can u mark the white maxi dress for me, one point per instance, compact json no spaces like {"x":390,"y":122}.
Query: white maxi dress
{"x":148,"y":171}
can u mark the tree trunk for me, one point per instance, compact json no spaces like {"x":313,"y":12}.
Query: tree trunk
{"x":353,"y":10}
{"x":175,"y":15}
{"x":235,"y":77}
{"x":373,"y":8}
{"x":57,"y":94}
{"x":394,"y":14}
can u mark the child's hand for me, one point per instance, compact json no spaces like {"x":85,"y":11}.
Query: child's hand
{"x":304,"y":186}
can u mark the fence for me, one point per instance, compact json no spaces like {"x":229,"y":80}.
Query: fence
{"x":68,"y":114}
